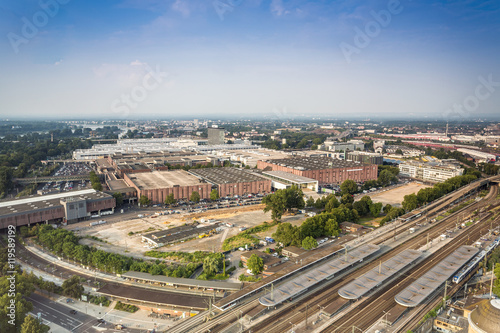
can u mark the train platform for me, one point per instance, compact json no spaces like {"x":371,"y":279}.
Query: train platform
{"x":378,"y":275}
{"x":424,"y":286}
{"x":334,"y":307}
{"x":327,"y":270}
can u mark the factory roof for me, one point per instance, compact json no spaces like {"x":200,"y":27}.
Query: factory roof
{"x":227,"y":175}
{"x":289,"y":177}
{"x":306,"y":280}
{"x":424,"y":286}
{"x":50,"y":201}
{"x":314,"y":163}
{"x":163,"y":179}
{"x":378,"y":275}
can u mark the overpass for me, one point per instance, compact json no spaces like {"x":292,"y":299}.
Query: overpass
{"x":36,"y":180}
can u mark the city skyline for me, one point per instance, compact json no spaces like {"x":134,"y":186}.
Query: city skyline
{"x":244,"y":59}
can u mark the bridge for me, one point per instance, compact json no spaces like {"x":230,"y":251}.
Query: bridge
{"x":36,"y":180}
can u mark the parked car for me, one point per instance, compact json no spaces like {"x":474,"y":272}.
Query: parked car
{"x":73,"y":312}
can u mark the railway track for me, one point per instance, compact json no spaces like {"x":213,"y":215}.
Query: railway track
{"x":383,"y":300}
{"x":281,"y":319}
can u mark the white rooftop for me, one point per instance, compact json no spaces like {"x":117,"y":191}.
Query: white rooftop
{"x":45,"y":197}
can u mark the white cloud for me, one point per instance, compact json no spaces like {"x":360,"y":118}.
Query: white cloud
{"x":125,"y":75}
{"x":277,"y":8}
{"x":57,"y":63}
{"x":182,"y":7}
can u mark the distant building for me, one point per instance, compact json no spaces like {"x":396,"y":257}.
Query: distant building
{"x":323,"y":169}
{"x":433,"y":172}
{"x":215,"y":136}
{"x":365,"y":157}
{"x":343,"y":146}
{"x":282,"y":180}
{"x":484,"y":317}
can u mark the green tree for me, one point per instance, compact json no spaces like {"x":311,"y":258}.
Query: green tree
{"x":119,"y":198}
{"x":255,"y":264}
{"x":276,"y":203}
{"x":31,"y":325}
{"x":144,"y":200}
{"x":332,"y":203}
{"x":195,"y":196}
{"x":347,"y":199}
{"x":211,"y":265}
{"x":410,"y":202}
{"x":375,"y":209}
{"x":386,"y":177}
{"x":349,"y":186}
{"x":287,"y":234}
{"x":72,"y":287}
{"x":170,"y":199}
{"x":387,"y":208}
{"x":310,"y":202}
{"x":399,"y":151}
{"x":214,"y":195}
{"x":309,"y":243}
{"x":332,"y":227}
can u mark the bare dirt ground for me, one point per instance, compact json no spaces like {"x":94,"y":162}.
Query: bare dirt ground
{"x":115,"y":234}
{"x":395,"y":196}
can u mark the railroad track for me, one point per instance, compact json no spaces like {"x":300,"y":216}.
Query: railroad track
{"x":383,"y":300}
{"x":280,"y":320}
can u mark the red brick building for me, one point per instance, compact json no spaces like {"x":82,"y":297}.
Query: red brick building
{"x":234,"y":181}
{"x":157,"y":185}
{"x":324,"y":169}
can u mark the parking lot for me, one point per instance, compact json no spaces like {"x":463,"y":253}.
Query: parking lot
{"x":394,"y":196}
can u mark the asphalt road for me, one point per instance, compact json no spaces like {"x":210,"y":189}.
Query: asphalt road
{"x":79,"y":323}
{"x":60,"y":315}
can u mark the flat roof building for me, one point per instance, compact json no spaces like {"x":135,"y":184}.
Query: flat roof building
{"x":69,"y":206}
{"x":323,"y":169}
{"x":157,"y":185}
{"x":234,"y":181}
{"x":365,"y":157}
{"x":283,"y":180}
{"x":433,"y":172}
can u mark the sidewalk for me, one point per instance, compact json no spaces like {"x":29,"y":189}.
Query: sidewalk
{"x":138,"y":319}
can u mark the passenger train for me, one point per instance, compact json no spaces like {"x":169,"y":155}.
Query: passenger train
{"x":471,"y":265}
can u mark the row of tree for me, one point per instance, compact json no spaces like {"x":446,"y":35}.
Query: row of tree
{"x":64,"y":242}
{"x":426,"y":195}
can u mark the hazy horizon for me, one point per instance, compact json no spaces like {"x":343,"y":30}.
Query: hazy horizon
{"x":237,"y":59}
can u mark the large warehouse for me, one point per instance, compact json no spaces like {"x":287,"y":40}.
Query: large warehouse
{"x":157,"y":185}
{"x":71,"y":206}
{"x":234,"y":181}
{"x":324,"y":169}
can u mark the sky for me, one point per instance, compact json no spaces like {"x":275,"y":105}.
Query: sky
{"x":134,"y":59}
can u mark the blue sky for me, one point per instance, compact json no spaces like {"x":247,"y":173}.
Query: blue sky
{"x":243,"y":58}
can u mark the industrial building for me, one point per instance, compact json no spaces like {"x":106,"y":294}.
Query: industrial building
{"x":332,"y":145}
{"x":157,"y":185}
{"x":323,"y":169}
{"x":282,"y":180}
{"x":485,"y":317}
{"x":479,"y":156}
{"x":365,"y":157}
{"x":177,"y":234}
{"x":215,"y":135}
{"x":433,"y":172}
{"x":68,"y":207}
{"x":234,"y":181}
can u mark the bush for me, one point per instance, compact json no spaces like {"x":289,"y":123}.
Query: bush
{"x":99,"y":300}
{"x":245,"y":278}
{"x":126,"y":307}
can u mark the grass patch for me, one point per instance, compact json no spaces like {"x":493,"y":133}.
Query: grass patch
{"x":131,"y":233}
{"x":239,"y":241}
{"x":126,"y":307}
{"x":197,"y":256}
